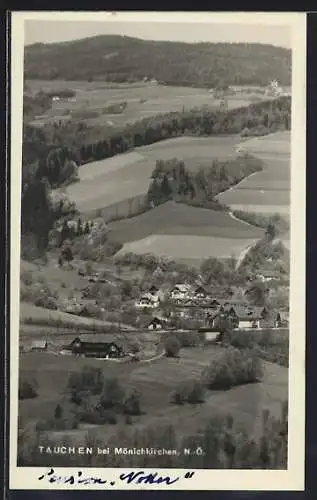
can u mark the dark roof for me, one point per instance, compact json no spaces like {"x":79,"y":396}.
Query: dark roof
{"x":155,"y":319}
{"x":96,"y":346}
{"x":244,"y":312}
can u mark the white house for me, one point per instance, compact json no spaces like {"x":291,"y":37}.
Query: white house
{"x":147,"y":300}
{"x":181,"y":292}
{"x":267,"y":276}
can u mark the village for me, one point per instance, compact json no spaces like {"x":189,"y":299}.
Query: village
{"x":183,"y":307}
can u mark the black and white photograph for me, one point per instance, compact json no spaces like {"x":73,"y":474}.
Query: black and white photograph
{"x":158,"y":250}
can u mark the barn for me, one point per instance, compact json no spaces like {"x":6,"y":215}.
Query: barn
{"x":94,"y":349}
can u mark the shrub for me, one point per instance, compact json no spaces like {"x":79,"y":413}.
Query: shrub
{"x":113,"y":394}
{"x":132,"y":404}
{"x":90,"y":379}
{"x":188,"y":339}
{"x":46,"y":302}
{"x":191,"y":392}
{"x":27,"y":388}
{"x":27,"y":278}
{"x":196,"y":393}
{"x":128,"y":420}
{"x":242,"y":339}
{"x":233,"y":368}
{"x":172,"y":346}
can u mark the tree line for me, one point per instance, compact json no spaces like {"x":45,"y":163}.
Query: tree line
{"x":171,"y":180}
{"x":46,"y":150}
{"x":52,"y":154}
{"x":113,"y":58}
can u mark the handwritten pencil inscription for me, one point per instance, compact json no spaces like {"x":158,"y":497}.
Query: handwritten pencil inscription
{"x":139,"y":477}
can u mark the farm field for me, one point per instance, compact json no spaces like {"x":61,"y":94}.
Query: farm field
{"x":32,"y":314}
{"x":267,"y":191}
{"x":142,"y":100}
{"x":117,"y":179}
{"x":179,"y":219}
{"x":188,"y":249}
{"x":156,"y":381}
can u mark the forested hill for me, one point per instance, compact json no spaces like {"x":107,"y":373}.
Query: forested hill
{"x":121,"y":59}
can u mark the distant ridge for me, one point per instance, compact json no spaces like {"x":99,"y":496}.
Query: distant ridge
{"x":118,"y":58}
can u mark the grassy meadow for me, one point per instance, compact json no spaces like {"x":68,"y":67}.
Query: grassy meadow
{"x":156,"y":381}
{"x":143,"y":100}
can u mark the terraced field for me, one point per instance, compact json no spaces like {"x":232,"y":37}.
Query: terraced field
{"x":267,"y":191}
{"x":184,"y":233}
{"x":179,"y":219}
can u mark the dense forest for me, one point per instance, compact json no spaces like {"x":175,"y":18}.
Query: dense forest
{"x":115,"y":58}
{"x":52,"y":154}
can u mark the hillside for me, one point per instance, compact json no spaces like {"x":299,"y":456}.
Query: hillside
{"x":121,"y":58}
{"x":179,"y":219}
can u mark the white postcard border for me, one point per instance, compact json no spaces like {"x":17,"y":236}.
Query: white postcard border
{"x":293,"y":477}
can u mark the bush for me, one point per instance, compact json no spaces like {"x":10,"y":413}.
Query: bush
{"x":188,"y":339}
{"x":46,"y":302}
{"x":27,"y":388}
{"x":242,"y":339}
{"x":233,"y":368}
{"x":172,"y":346}
{"x":113,"y":394}
{"x":132,"y":404}
{"x":27,"y":277}
{"x":191,"y":392}
{"x":90,"y":379}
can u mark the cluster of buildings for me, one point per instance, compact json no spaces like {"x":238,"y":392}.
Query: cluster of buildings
{"x":186,"y":302}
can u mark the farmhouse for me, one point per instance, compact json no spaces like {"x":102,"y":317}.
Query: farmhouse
{"x":181,"y":291}
{"x":247,"y":317}
{"x":201,"y":292}
{"x":80,"y":347}
{"x":241,"y":316}
{"x":156,"y":324}
{"x":147,"y":300}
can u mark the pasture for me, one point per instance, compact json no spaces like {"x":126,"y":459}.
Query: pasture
{"x":188,"y":249}
{"x":143,"y":100}
{"x":156,"y":382}
{"x":267,"y":191}
{"x":33,"y":315}
{"x":179,"y":219}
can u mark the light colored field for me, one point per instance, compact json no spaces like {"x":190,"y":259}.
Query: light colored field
{"x":181,"y":220}
{"x":116,"y":179}
{"x":187,"y":247}
{"x":45,"y":316}
{"x":267,"y":191}
{"x":143,"y":100}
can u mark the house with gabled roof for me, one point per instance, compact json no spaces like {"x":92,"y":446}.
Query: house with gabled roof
{"x":156,"y":324}
{"x":147,"y":300}
{"x":181,"y":291}
{"x":241,"y":315}
{"x":95,"y":346}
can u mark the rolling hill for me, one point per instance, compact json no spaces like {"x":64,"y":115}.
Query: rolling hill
{"x":120,"y":59}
